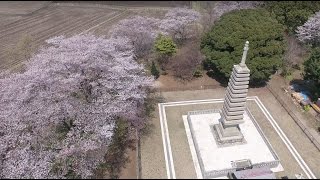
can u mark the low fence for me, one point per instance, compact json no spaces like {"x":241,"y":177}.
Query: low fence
{"x":295,"y":118}
{"x":189,"y":88}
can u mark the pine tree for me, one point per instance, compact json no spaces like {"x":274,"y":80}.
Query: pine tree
{"x":223,"y":45}
{"x":154,"y":70}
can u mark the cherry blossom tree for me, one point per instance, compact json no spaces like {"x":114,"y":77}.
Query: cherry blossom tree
{"x":141,"y":31}
{"x":223,"y":7}
{"x":309,"y":32}
{"x":57,"y":118}
{"x":177,"y":23}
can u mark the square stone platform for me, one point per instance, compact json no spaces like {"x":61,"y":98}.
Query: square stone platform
{"x":215,"y":161}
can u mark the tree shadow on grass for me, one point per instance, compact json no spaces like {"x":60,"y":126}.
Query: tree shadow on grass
{"x":224,"y":81}
{"x":218,"y":77}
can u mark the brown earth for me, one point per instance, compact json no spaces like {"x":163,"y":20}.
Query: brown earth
{"x":44,"y":20}
{"x":130,"y":170}
{"x":135,"y":3}
{"x":170,"y":83}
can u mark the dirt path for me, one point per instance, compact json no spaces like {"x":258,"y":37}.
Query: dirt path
{"x":130,"y":170}
{"x":277,"y":83}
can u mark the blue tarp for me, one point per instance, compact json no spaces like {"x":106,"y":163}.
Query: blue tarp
{"x":305,"y":94}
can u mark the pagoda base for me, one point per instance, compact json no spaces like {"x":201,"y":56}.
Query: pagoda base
{"x":227,"y":136}
{"x":216,"y":161}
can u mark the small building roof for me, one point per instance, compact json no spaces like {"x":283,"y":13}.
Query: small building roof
{"x":255,"y":173}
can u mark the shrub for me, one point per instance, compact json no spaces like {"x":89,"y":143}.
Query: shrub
{"x":186,"y":61}
{"x":197,"y":73}
{"x":165,"y":46}
{"x":306,"y":108}
{"x":223,"y":45}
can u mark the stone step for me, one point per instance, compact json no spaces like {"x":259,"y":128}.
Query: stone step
{"x":238,"y":91}
{"x":234,"y":104}
{"x":238,"y":83}
{"x":232,"y":113}
{"x":231,"y":118}
{"x":238,"y":86}
{"x":240,"y":79}
{"x":240,"y":74}
{"x":236,"y":99}
{"x":242,"y":95}
{"x":233,"y":109}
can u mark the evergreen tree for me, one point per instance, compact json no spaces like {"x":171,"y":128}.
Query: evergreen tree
{"x":165,"y":46}
{"x":223,"y":45}
{"x":292,"y":13}
{"x":154,"y":71}
{"x":312,"y":67}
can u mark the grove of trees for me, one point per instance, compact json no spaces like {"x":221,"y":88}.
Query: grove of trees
{"x":178,"y":24}
{"x":141,"y":31}
{"x":223,"y":45}
{"x":161,"y":38}
{"x":57,"y":117}
{"x":68,"y":114}
{"x":292,"y":13}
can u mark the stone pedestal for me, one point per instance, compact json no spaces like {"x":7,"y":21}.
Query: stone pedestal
{"x":228,"y":135}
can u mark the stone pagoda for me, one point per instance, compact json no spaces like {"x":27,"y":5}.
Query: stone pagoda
{"x":228,"y":130}
{"x":228,"y":140}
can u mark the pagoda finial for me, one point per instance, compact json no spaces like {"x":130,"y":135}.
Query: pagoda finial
{"x":244,"y":55}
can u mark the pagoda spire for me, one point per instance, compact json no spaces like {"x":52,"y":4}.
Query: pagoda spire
{"x":244,"y":54}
